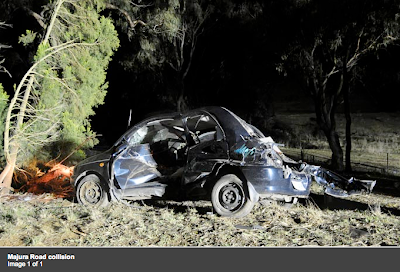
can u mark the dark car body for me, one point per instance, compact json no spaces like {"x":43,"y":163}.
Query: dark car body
{"x":208,"y":152}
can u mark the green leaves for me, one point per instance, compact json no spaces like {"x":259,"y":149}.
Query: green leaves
{"x":27,"y":38}
{"x":80,"y":71}
{"x":3,"y":109}
{"x":66,"y":81}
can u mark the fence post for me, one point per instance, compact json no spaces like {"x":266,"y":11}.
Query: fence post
{"x":387,"y":162}
{"x":302,"y":155}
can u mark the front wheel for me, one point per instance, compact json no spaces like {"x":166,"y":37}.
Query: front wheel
{"x":229,"y":198}
{"x":91,"y":192}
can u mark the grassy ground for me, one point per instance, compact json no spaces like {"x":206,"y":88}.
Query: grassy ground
{"x":375,"y":137}
{"x":44,"y":222}
{"x":372,"y":132}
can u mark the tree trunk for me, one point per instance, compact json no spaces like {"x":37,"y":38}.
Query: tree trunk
{"x":10,"y":146}
{"x":5,"y":179}
{"x":8,"y":171}
{"x":347,"y":114}
{"x":181,"y":102}
{"x":348,"y":134}
{"x":325,"y":113}
{"x":5,"y":183}
{"x":337,"y":151}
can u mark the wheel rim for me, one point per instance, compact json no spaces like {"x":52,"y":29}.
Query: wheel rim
{"x":231,"y":196}
{"x":90,"y":192}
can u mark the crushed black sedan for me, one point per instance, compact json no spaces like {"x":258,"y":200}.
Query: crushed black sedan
{"x":207,"y":153}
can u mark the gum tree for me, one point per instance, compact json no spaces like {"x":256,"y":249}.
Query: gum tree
{"x":164,"y":36}
{"x":326,"y":52}
{"x":56,"y":96}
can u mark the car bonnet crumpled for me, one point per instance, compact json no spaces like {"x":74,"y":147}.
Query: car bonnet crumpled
{"x":264,"y":150}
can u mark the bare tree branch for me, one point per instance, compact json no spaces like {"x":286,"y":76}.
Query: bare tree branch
{"x":2,"y":68}
{"x":37,"y":16}
{"x":141,"y":6}
{"x":132,"y":23}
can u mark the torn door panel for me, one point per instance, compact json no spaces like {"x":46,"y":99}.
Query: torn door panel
{"x":135,"y":165}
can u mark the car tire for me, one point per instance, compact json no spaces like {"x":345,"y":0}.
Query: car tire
{"x":91,"y":192}
{"x":229,"y":197}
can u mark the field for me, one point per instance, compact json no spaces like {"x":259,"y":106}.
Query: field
{"x":375,"y":137}
{"x":27,"y":220}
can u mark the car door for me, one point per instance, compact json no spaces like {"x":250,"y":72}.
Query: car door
{"x":208,"y":146}
{"x":150,"y":153}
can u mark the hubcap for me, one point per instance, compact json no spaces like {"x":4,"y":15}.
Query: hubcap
{"x":231,"y":196}
{"x":90,"y":192}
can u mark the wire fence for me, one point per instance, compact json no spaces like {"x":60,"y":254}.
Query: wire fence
{"x":362,"y":166}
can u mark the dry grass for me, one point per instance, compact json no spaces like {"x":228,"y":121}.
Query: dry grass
{"x":169,"y":224}
{"x":371,"y":132}
{"x":375,"y":137}
{"x":357,"y":157}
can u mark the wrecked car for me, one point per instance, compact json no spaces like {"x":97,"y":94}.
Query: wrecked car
{"x":208,"y":153}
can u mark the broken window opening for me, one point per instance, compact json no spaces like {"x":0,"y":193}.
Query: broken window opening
{"x":155,"y":151}
{"x":202,"y":128}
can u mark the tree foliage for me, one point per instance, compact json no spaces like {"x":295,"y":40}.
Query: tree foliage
{"x":3,"y":100}
{"x":56,"y":97}
{"x":70,"y":82}
{"x":3,"y":110}
{"x":326,"y":52}
{"x":2,"y":68}
{"x":164,"y":36}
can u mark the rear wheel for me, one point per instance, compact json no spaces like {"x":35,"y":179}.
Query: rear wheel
{"x":229,"y":198}
{"x":91,"y":192}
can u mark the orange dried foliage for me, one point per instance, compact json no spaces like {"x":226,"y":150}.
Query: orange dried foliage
{"x":56,"y":180}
